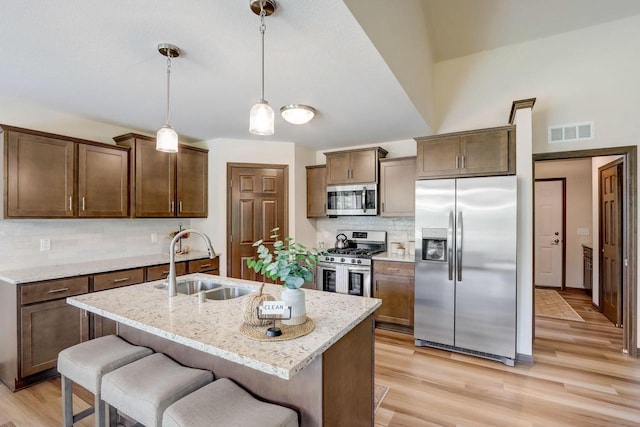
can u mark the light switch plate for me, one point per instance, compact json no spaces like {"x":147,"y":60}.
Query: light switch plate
{"x":154,"y":237}
{"x":45,"y":245}
{"x":583,"y":231}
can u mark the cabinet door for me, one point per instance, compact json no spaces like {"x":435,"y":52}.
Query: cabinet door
{"x":154,"y":181}
{"x":396,"y":293}
{"x":397,"y":187}
{"x":192,"y":182}
{"x":438,"y":158}
{"x":485,"y":153}
{"x":364,"y":166}
{"x":39,"y":176}
{"x":103,"y":326}
{"x":338,"y":168}
{"x":102,"y":182}
{"x":316,"y":192}
{"x":47,"y":329}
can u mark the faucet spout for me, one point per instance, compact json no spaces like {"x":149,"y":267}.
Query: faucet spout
{"x":172,"y":256}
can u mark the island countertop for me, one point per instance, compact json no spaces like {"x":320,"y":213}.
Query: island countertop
{"x":213,"y":326}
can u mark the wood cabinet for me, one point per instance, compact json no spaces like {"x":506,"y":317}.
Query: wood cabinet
{"x":166,"y":185}
{"x":158,"y":272}
{"x":316,"y":191}
{"x":118,"y":279}
{"x":397,"y":186}
{"x":587,"y":268}
{"x":393,"y":284}
{"x":353,"y":166}
{"x":206,"y":265}
{"x":53,"y":176}
{"x":48,"y":324}
{"x":482,"y":152}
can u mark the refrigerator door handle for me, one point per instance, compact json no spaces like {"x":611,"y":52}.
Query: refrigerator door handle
{"x":450,"y":245}
{"x":459,"y":246}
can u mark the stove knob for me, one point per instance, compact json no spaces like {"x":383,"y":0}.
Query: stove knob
{"x":353,"y":261}
{"x":332,"y":259}
{"x":342,"y":259}
{"x":359,"y":261}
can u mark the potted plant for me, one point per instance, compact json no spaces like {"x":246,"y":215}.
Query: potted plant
{"x":290,"y":263}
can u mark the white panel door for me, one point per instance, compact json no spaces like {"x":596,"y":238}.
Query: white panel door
{"x":548,"y":235}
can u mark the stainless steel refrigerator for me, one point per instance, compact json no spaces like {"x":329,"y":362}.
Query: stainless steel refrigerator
{"x":465,"y":266}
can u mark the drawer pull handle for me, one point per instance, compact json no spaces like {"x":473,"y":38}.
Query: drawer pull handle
{"x":165,"y":272}
{"x":204,"y":266}
{"x":124,"y":279}
{"x":55,"y":291}
{"x":393,"y":269}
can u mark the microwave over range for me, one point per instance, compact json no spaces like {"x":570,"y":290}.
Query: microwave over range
{"x":355,"y":199}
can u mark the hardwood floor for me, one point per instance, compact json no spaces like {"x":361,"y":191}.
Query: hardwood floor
{"x":580,"y":378}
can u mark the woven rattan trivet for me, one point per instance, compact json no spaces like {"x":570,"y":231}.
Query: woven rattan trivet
{"x":259,"y":333}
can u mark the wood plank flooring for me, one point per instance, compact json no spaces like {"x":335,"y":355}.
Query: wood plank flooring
{"x":580,"y":378}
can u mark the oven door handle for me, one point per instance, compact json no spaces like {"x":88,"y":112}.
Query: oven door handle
{"x":350,"y":268}
{"x":327,"y":266}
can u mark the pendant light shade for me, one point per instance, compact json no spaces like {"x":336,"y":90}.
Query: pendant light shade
{"x":167,"y":137}
{"x":261,"y":116}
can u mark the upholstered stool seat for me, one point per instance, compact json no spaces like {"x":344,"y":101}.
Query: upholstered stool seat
{"x":224,"y":404}
{"x":86,"y":364}
{"x":143,"y":389}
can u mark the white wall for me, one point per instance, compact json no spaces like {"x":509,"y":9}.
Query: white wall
{"x":223,"y":151}
{"x":578,"y":210}
{"x":586,"y":75}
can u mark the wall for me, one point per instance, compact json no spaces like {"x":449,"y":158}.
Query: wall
{"x":578,"y":210}
{"x":223,"y":151}
{"x":576,"y":76}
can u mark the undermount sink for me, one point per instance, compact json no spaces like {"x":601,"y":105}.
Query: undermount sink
{"x":212,"y":290}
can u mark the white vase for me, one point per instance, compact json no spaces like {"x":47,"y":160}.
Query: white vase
{"x":295,"y":299}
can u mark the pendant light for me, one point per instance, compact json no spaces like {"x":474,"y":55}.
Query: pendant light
{"x":298,"y":114}
{"x":261,"y":116}
{"x":167,"y":138}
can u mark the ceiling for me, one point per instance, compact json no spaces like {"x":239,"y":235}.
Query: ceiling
{"x":99,"y":60}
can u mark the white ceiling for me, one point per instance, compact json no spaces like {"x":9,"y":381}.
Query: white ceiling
{"x":99,"y":60}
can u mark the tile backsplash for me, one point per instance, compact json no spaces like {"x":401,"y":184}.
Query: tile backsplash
{"x":398,"y":229}
{"x":82,"y":240}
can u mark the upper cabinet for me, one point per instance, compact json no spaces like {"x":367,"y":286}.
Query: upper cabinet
{"x":53,"y":176}
{"x":316,"y":191}
{"x":473,"y":153}
{"x":397,"y":186}
{"x":166,"y":185}
{"x":353,"y":166}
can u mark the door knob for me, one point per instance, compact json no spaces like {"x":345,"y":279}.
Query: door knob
{"x":555,"y":242}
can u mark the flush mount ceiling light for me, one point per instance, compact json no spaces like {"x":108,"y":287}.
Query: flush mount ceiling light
{"x":297,"y":114}
{"x":167,"y":138}
{"x":261,"y":116}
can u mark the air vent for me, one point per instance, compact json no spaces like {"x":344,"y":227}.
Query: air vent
{"x":571,"y":132}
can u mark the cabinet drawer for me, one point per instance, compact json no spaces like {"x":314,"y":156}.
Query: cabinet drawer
{"x":394,"y":268}
{"x":158,"y":272}
{"x":117,"y":279}
{"x":204,"y":265}
{"x":55,"y":289}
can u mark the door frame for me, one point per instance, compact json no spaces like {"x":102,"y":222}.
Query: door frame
{"x":284,"y":230}
{"x":630,"y":229}
{"x":563,"y":283}
{"x":600,"y":239}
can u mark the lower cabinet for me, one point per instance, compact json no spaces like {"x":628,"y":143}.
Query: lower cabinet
{"x":211,"y":266}
{"x":159,"y":272}
{"x":393,"y":284}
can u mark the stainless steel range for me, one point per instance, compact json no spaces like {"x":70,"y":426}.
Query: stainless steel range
{"x":348,"y":270}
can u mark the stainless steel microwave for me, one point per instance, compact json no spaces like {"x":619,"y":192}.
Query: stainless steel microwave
{"x":356,"y":199}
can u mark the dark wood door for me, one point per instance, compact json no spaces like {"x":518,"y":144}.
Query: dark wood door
{"x":316,"y":191}
{"x":192,"y":182}
{"x":155,"y":181}
{"x":46,"y":329}
{"x":438,"y":158}
{"x":103,"y":181}
{"x":40,"y":176}
{"x":257,"y":204}
{"x":397,"y":186}
{"x":611,"y":241}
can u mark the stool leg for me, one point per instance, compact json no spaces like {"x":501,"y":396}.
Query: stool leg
{"x":67,"y":402}
{"x":113,"y":416}
{"x":98,"y":405}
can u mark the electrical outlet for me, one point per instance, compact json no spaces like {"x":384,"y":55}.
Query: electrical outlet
{"x":154,"y":237}
{"x":45,"y":244}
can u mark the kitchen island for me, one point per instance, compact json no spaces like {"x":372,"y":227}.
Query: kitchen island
{"x":327,"y":375}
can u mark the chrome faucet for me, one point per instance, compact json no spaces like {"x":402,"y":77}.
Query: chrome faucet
{"x":172,"y":257}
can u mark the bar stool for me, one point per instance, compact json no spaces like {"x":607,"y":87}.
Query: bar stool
{"x":224,"y":404}
{"x":143,"y":389}
{"x":85,"y":364}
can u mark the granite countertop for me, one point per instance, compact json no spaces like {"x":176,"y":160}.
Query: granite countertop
{"x":50,"y":272}
{"x":388,"y":256}
{"x":213,"y":326}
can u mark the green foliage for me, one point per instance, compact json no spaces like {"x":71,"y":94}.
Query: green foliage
{"x":289,"y":262}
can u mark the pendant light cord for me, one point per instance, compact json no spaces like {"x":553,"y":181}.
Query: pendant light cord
{"x":263,"y":27}
{"x":168,"y":85}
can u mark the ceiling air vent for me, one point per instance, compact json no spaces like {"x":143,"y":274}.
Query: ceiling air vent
{"x":570,"y":132}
